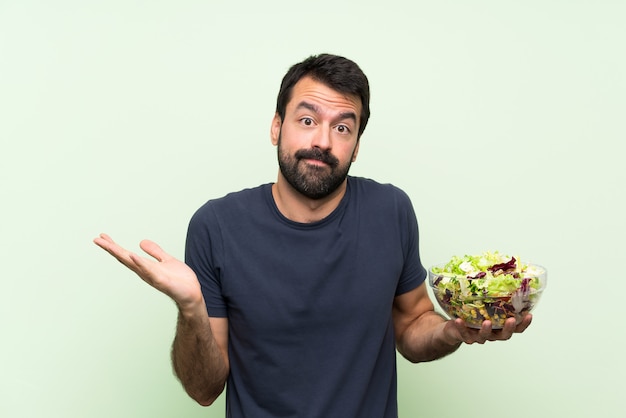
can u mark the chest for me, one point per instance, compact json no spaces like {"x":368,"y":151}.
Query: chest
{"x":281,"y":283}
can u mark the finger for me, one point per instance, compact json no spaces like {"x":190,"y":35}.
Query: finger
{"x":526,"y":321}
{"x":485,"y":332}
{"x":121,"y":254}
{"x":463,"y":331}
{"x":507,"y":330}
{"x":106,"y":243}
{"x":143,"y":267}
{"x":106,"y":237}
{"x":149,"y":271}
{"x":154,"y":250}
{"x":102,"y":241}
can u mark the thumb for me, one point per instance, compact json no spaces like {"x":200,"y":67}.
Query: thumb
{"x":154,"y":250}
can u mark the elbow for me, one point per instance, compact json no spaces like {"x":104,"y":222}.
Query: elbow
{"x":205,"y":398}
{"x":408,"y":355}
{"x":205,"y":402}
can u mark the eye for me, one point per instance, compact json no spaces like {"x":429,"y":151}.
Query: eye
{"x":343,"y":129}
{"x":307,"y":121}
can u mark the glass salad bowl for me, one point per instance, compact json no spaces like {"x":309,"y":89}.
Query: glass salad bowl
{"x":487,"y":287}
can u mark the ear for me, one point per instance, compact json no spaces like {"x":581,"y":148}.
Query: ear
{"x":275,"y":129}
{"x":356,"y":150}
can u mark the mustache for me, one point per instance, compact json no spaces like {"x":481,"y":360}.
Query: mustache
{"x":317,"y":154}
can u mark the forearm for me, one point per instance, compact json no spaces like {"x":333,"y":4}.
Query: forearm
{"x":197,"y":359}
{"x":425,"y":339}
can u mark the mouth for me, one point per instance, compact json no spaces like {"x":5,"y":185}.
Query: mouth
{"x":315,"y":162}
{"x":317,"y":158}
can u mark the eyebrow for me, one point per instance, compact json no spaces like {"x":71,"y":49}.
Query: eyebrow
{"x":314,"y":108}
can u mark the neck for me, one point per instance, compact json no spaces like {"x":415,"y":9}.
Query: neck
{"x":298,"y":208}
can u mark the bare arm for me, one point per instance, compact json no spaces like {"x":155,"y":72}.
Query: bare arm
{"x":423,"y":335}
{"x":200,"y":348}
{"x":199,"y":355}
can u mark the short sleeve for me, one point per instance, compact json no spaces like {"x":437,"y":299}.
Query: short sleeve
{"x":202,"y":253}
{"x":413,"y":272}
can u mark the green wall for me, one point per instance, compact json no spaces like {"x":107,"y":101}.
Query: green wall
{"x":504,"y":122}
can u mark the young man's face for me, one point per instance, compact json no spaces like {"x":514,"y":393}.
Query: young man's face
{"x":318,"y":138}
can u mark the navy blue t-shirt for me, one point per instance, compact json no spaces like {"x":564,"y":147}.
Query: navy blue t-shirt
{"x":309,"y":305}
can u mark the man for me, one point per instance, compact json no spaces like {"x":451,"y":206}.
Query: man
{"x":298,"y":292}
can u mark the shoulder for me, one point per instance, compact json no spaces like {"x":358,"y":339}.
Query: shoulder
{"x":368,"y":184}
{"x":371,"y":190}
{"x":241,"y":198}
{"x":235,"y":203}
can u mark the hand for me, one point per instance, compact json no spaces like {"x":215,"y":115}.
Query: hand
{"x":166,"y":274}
{"x":458,"y":330}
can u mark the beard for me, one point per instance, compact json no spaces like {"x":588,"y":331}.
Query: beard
{"x":314,"y":182}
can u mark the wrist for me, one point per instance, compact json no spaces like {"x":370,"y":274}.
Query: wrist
{"x":193,"y":309}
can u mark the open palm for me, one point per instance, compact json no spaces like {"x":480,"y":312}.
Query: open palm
{"x":165,"y":273}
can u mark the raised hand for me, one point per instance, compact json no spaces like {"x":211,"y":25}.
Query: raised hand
{"x":165,"y":273}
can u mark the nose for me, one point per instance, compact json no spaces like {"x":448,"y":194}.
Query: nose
{"x":322,"y":139}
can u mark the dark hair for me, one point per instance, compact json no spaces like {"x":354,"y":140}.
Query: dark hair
{"x":336,"y":72}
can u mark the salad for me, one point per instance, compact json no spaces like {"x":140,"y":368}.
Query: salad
{"x":489,"y":286}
